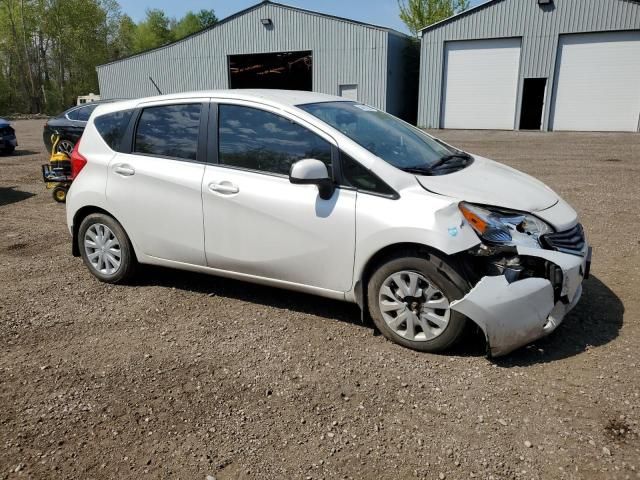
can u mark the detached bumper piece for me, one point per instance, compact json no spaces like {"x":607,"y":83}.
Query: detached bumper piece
{"x":510,"y":314}
{"x":513,"y":312}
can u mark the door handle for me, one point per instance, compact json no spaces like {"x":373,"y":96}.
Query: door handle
{"x":226,"y":188}
{"x":124,"y":169}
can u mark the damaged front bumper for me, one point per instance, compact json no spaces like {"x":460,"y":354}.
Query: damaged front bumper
{"x":513,"y":311}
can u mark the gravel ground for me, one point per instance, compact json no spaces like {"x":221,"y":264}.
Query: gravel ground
{"x":184,"y":375}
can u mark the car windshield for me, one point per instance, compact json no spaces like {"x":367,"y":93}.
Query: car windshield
{"x":384,"y":135}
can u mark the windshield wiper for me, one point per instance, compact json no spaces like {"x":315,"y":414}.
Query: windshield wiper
{"x":418,"y":170}
{"x":447,"y":158}
{"x":429,"y":170}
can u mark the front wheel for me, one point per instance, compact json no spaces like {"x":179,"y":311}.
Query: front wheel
{"x":409,"y":299}
{"x":106,"y":249}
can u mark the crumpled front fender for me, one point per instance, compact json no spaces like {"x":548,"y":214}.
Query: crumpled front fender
{"x":510,"y":314}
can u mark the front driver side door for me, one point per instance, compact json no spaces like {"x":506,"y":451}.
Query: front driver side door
{"x":258,"y":223}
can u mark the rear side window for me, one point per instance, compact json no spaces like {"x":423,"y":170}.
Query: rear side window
{"x":112,"y":127}
{"x":355,"y":175}
{"x":85,"y":112}
{"x":169,"y":131}
{"x":81,"y":114}
{"x":73,"y":114}
{"x":258,"y":140}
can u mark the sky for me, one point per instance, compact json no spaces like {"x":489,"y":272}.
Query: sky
{"x":377,"y":12}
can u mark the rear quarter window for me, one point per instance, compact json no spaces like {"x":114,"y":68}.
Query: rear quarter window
{"x":112,"y":128}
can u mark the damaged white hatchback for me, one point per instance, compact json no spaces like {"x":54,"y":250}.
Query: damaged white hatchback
{"x":328,"y":196}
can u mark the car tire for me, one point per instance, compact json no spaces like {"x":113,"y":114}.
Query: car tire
{"x":9,"y":150}
{"x":106,"y":249}
{"x":60,"y":194}
{"x":406,"y":314}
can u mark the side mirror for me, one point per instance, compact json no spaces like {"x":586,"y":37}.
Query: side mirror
{"x":312,"y":172}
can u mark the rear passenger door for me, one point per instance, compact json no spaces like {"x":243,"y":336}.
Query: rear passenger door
{"x":155,"y":189}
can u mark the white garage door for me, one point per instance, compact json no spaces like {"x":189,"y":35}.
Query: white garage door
{"x":598,"y":82}
{"x":481,"y":84}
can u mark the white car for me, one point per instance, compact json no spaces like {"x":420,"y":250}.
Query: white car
{"x":324,"y":195}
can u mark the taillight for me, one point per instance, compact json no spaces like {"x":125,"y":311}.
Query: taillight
{"x":77,"y":161}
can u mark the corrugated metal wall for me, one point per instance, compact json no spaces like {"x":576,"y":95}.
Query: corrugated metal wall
{"x":343,"y":53}
{"x":539,"y":26}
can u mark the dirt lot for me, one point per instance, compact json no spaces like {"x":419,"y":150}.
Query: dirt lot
{"x":185,"y":375}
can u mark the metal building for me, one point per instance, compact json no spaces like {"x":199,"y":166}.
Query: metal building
{"x":271,"y":45}
{"x":534,"y":64}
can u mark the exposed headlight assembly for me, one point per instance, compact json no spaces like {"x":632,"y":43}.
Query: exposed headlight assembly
{"x":504,"y":227}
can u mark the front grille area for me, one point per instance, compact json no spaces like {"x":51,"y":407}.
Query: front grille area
{"x":570,"y":241}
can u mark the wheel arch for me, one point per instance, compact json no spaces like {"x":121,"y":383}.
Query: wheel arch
{"x":80,"y":215}
{"x":386,"y":253}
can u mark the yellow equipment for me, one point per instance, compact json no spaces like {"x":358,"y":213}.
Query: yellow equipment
{"x":57,"y":174}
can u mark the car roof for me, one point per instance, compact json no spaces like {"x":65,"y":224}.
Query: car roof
{"x":3,"y":122}
{"x":88,"y":104}
{"x":280,"y":98}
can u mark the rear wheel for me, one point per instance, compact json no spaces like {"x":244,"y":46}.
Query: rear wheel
{"x":8,"y":150}
{"x":409,"y":299}
{"x":106,"y":249}
{"x":65,"y":146}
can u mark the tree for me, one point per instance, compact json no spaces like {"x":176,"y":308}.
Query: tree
{"x":124,"y":41}
{"x":417,"y":14}
{"x":49,"y":49}
{"x":207,"y":18}
{"x":153,"y":31}
{"x":192,"y":23}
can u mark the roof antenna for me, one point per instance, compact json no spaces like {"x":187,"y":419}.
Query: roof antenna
{"x":155,"y":85}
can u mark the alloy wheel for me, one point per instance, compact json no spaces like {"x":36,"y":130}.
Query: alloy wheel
{"x":103,"y":249}
{"x":413,"y":306}
{"x":65,"y":146}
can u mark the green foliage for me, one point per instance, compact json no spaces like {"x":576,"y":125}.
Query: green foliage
{"x":207,"y":18}
{"x":152,"y":32}
{"x":49,"y":49}
{"x":417,"y":14}
{"x":186,"y":26}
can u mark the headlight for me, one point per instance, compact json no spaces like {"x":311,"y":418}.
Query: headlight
{"x":505,"y":227}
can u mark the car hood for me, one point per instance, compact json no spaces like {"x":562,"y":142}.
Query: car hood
{"x":3,"y":122}
{"x":491,"y":183}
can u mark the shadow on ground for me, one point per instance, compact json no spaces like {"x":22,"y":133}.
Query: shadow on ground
{"x":253,"y":293}
{"x":595,"y":321}
{"x":19,"y":153}
{"x":9,"y":195}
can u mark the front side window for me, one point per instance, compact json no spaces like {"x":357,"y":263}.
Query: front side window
{"x":258,"y":140}
{"x":382,"y":134}
{"x":169,"y":131}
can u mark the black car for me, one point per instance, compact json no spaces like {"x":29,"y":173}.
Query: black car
{"x":69,"y":125}
{"x":8,"y":142}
